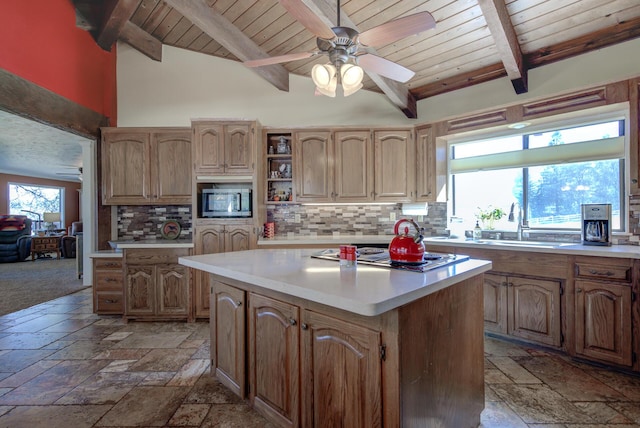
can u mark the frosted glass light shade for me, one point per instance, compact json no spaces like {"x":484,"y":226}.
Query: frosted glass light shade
{"x":351,"y":75}
{"x":325,"y":78}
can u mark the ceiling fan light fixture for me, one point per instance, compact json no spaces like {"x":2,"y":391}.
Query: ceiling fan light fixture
{"x":325,"y":78}
{"x":351,"y":75}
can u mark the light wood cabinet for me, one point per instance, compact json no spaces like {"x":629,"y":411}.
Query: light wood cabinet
{"x":212,"y":239}
{"x":394,"y":166}
{"x":353,"y":166}
{"x":310,"y":365}
{"x":228,"y":336}
{"x":144,"y":166}
{"x":603,"y":311}
{"x":274,"y":359}
{"x":313,"y":169}
{"x":522,"y":307}
{"x":222,"y":147}
{"x":108,"y":296}
{"x":341,"y":373}
{"x":425,"y":165}
{"x":155,"y":285}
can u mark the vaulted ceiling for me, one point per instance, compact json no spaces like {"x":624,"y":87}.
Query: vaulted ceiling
{"x":474,"y":41}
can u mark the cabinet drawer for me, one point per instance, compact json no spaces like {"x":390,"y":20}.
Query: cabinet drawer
{"x":155,"y":256}
{"x":608,"y":272}
{"x":107,"y":264}
{"x":105,"y":281}
{"x":109,"y":303}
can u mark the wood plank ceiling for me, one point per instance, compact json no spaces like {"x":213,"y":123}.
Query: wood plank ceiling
{"x":474,"y":40}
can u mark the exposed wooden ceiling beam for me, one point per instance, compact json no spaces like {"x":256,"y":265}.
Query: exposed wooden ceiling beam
{"x":497,"y":16}
{"x":621,"y":32}
{"x":117,"y":14}
{"x":396,"y":92}
{"x":224,"y":32}
{"x":141,"y":40}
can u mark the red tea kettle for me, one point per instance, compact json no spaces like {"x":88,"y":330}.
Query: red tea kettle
{"x":407,"y":248}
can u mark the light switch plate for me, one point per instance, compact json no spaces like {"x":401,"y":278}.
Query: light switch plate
{"x":420,"y":218}
{"x":392,"y":216}
{"x":296,"y":217}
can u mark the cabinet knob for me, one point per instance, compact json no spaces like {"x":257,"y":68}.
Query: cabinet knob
{"x":292,"y":321}
{"x":634,"y":181}
{"x":579,"y":290}
{"x":304,"y":326}
{"x":239,"y":303}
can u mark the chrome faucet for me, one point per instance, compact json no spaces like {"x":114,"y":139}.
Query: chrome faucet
{"x":520,"y":220}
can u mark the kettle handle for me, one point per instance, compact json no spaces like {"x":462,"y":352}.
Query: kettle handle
{"x":418,"y":237}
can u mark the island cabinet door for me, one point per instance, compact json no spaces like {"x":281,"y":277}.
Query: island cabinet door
{"x":340,"y":374}
{"x":274,"y":376}
{"x":228,"y":336}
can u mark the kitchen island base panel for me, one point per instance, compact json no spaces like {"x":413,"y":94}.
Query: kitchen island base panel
{"x":430,"y":366}
{"x":442,"y":358}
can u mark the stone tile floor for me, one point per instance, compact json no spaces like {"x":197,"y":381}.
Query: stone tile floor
{"x":63,"y":366}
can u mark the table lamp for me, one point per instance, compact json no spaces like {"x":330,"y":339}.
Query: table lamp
{"x":50,"y":219}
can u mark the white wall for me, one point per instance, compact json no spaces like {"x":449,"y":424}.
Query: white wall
{"x":188,"y":85}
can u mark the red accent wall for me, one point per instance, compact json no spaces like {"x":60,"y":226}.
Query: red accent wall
{"x":41,"y":43}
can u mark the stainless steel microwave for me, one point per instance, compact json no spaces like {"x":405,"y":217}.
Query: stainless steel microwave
{"x":226,"y":203}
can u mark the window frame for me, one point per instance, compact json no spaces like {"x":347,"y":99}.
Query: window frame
{"x":603,"y":114}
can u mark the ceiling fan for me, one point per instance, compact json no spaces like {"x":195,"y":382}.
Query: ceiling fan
{"x":347,"y":48}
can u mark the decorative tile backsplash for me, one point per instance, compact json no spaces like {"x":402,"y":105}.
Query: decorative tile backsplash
{"x":143,"y":222}
{"x":351,"y":219}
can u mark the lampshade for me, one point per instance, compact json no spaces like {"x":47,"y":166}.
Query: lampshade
{"x":325,"y":78}
{"x":51,"y":217}
{"x":351,"y":78}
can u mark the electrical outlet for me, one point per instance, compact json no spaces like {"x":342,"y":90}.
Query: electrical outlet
{"x":296,"y":217}
{"x":420,"y":218}
{"x":392,"y":216}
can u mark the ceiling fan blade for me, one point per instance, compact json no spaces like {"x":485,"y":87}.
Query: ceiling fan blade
{"x":278,"y":59}
{"x":307,"y":18}
{"x":397,"y":29}
{"x":384,"y":67}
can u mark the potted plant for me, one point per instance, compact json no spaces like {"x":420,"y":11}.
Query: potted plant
{"x":489,"y":215}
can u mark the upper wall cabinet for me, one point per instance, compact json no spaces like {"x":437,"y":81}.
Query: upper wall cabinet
{"x":353,"y":166}
{"x":313,"y":170}
{"x":425,"y":165}
{"x":224,"y":147}
{"x":394,"y":166}
{"x":146,"y":166}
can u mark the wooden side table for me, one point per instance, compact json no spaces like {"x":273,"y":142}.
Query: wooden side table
{"x":45,"y":244}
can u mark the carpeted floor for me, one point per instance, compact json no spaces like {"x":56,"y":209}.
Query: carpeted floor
{"x":24,"y":284}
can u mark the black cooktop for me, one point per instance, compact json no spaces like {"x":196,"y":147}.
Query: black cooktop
{"x":380,"y":257}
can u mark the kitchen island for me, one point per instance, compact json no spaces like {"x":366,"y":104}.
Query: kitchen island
{"x":309,"y":343}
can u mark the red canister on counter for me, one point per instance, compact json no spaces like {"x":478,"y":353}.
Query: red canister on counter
{"x":269,"y":230}
{"x":348,"y":255}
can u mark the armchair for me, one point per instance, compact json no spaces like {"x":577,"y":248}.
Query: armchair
{"x":68,"y":242}
{"x":15,"y":238}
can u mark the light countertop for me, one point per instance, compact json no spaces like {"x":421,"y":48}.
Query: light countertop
{"x":151,"y":243}
{"x":625,"y":251}
{"x":364,"y":290}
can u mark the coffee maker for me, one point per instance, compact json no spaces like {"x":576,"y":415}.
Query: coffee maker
{"x":596,"y":224}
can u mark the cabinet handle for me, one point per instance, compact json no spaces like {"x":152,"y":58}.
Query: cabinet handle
{"x":579,"y":290}
{"x":634,"y":181}
{"x":292,"y":321}
{"x":595,"y":272}
{"x":111,"y":301}
{"x":239,"y":303}
{"x":304,"y":326}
